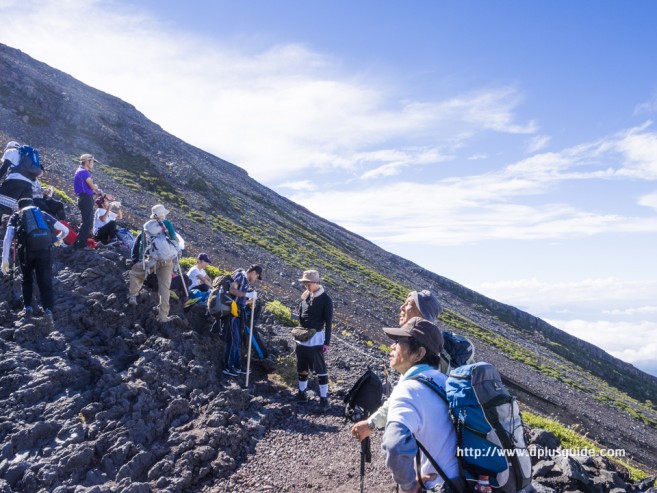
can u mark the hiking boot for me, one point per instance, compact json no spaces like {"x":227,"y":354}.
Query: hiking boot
{"x":302,"y":397}
{"x":240,"y":371}
{"x":26,"y":313}
{"x":132,"y":300}
{"x":48,"y":318}
{"x":230,"y":372}
{"x":191,"y":301}
{"x":324,"y":404}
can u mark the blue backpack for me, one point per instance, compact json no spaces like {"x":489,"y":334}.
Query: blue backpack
{"x":29,"y":164}
{"x":33,"y":233}
{"x":489,"y":431}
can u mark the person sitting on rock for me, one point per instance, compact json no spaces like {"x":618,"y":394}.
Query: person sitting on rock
{"x":44,"y":200}
{"x":199,"y":289}
{"x":33,"y":230}
{"x":105,"y":219}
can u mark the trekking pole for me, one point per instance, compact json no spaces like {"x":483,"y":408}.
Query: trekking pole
{"x":365,"y":456}
{"x":182,"y":278}
{"x":248,"y":359}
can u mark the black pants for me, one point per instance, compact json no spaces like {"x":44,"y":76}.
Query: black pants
{"x":40,"y":263}
{"x":53,"y":207}
{"x":107,"y":233}
{"x":11,"y":192}
{"x":86,"y":206}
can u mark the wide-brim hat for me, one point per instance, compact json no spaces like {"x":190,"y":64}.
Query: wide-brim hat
{"x":159,"y":211}
{"x":423,"y":331}
{"x":310,"y":276}
{"x":427,"y":303}
{"x":86,"y":157}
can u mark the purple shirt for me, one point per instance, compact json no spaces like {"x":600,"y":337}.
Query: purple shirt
{"x":80,"y":181}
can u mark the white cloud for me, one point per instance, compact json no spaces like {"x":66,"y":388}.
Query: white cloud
{"x":649,"y":200}
{"x":635,"y":343}
{"x":538,"y":143}
{"x":649,"y":106}
{"x":274,"y":111}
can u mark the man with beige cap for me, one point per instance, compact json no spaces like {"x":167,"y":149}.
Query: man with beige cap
{"x":85,"y":189}
{"x":315,"y":313}
{"x":148,"y":261}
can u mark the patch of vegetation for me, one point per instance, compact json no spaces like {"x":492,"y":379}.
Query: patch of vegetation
{"x":572,"y":440}
{"x":282,"y":313}
{"x":301,"y":247}
{"x":60,"y":195}
{"x":286,"y":370}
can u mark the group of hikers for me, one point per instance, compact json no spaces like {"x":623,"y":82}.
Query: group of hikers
{"x":419,"y":439}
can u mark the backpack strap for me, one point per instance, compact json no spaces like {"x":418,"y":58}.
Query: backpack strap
{"x":421,"y":448}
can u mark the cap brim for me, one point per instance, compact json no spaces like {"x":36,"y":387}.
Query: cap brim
{"x":393,"y":332}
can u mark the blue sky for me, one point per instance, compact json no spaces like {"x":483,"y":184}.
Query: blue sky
{"x":509,"y":146}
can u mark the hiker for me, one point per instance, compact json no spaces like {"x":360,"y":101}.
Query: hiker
{"x":239,"y":286}
{"x":21,"y":172}
{"x":417,"y":304}
{"x":33,"y":230}
{"x":85,"y":189}
{"x":104,"y":229}
{"x":157,"y":232}
{"x":200,"y":279}
{"x":44,"y":200}
{"x":416,"y":413}
{"x":315,"y":313}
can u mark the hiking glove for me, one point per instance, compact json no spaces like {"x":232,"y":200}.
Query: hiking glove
{"x":325,"y":349}
{"x":5,"y":267}
{"x":58,"y":243}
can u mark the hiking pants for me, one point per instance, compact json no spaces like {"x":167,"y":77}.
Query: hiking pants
{"x":10,"y":192}
{"x":86,"y":206}
{"x":41,"y":264}
{"x":106,"y":233}
{"x":233,"y":357}
{"x":163,"y":272}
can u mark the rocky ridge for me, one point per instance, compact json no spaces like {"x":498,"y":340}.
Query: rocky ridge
{"x":110,"y":401}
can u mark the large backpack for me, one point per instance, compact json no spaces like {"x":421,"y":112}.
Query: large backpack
{"x":489,"y":430}
{"x":220,"y":300}
{"x":29,"y":164}
{"x":457,"y":351}
{"x":159,"y":246}
{"x":33,"y":233}
{"x":364,"y":397}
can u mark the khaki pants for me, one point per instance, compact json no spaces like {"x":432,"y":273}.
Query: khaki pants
{"x":163,"y":272}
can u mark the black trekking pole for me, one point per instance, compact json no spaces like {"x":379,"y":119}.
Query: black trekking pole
{"x":365,"y":456}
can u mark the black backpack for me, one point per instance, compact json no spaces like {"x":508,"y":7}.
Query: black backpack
{"x":364,"y":397}
{"x":33,"y":233}
{"x":220,"y":300}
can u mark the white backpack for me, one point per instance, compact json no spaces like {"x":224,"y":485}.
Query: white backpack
{"x":159,"y":246}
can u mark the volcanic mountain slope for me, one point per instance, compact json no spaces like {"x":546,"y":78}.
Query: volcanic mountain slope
{"x":551,"y":371}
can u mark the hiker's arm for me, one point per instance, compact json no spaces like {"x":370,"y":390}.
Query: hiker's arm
{"x":6,"y":244}
{"x":235,"y":291}
{"x":63,"y":230}
{"x":399,"y":448}
{"x":103,"y":217}
{"x":4,"y":168}
{"x":207,"y":280}
{"x":172,"y":232}
{"x":328,"y":321}
{"x":92,"y":185}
